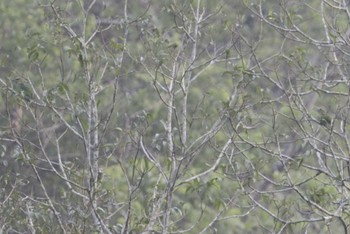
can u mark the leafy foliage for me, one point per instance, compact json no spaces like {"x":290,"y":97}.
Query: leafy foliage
{"x":175,"y":116}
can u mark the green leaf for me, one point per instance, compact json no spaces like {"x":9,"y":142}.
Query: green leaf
{"x":62,"y":88}
{"x":117,"y":46}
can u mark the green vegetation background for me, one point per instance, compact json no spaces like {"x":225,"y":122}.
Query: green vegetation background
{"x":37,"y":54}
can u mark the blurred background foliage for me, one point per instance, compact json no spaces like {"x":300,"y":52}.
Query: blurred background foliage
{"x":280,"y":75}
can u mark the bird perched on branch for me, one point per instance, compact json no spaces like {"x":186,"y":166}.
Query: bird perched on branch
{"x":324,"y":119}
